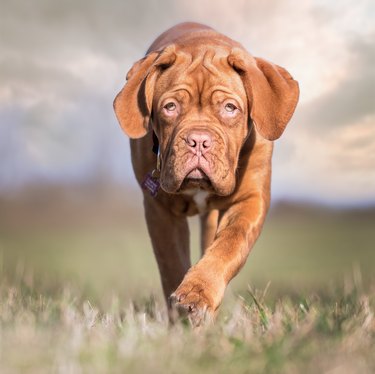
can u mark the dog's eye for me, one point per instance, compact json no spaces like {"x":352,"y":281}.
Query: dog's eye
{"x":229,"y":107}
{"x":171,"y":106}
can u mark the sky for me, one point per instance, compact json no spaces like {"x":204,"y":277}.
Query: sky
{"x":62,"y":63}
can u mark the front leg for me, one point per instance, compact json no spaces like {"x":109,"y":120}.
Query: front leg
{"x":202,"y":288}
{"x":170,"y":241}
{"x":208,"y":224}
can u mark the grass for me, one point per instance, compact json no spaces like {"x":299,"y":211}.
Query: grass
{"x":80,"y":293}
{"x":62,"y":331}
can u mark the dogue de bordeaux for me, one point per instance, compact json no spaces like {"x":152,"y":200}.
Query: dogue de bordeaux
{"x":202,"y":113}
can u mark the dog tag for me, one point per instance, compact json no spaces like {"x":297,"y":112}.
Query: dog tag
{"x":151,"y":184}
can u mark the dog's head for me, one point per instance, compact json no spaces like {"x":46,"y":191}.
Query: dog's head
{"x":202,"y":102}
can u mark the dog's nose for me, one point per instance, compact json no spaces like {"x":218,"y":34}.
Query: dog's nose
{"x":199,"y":142}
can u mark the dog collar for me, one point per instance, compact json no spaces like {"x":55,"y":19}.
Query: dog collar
{"x":155,"y":146}
{"x":151,"y":181}
{"x":156,"y":150}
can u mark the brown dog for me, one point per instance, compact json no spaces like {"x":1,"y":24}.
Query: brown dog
{"x":211,"y":111}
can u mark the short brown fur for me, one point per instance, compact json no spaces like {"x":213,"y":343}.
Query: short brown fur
{"x":226,"y":109}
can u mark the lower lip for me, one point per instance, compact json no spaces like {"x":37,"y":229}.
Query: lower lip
{"x":196,"y":174}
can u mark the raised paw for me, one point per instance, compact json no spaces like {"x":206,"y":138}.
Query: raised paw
{"x":193,"y":301}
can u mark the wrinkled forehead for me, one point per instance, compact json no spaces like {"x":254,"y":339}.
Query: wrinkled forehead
{"x":201,"y":71}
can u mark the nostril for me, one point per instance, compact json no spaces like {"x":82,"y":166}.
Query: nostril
{"x":206,"y":143}
{"x":191,"y":142}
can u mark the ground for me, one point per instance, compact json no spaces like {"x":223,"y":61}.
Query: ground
{"x":83,"y":295}
{"x":327,"y":331}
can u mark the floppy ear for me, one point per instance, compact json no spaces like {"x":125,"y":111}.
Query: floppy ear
{"x":133,"y":104}
{"x":271,"y":91}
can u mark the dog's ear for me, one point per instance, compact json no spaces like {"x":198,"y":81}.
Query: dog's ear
{"x":133,"y":104}
{"x":271,"y":91}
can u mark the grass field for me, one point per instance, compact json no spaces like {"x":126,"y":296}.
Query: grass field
{"x":80,"y":293}
{"x":329,"y":332}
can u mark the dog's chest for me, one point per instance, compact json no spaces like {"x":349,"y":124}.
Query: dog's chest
{"x":200,"y":199}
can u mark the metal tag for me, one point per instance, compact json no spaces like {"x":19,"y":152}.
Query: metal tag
{"x":151,"y":184}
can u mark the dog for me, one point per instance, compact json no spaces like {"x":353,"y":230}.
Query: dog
{"x":202,"y":114}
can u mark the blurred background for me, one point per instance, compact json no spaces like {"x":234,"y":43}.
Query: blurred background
{"x":70,"y":211}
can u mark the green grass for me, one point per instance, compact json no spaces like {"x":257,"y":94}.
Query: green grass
{"x":62,"y":331}
{"x":297,"y":252}
{"x":85,"y":297}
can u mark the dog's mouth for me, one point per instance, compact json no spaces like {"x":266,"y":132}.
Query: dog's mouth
{"x":196,"y":178}
{"x":196,"y":173}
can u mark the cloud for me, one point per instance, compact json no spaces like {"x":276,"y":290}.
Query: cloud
{"x":62,"y":63}
{"x":56,"y":28}
{"x":352,"y":99}
{"x":335,"y":168}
